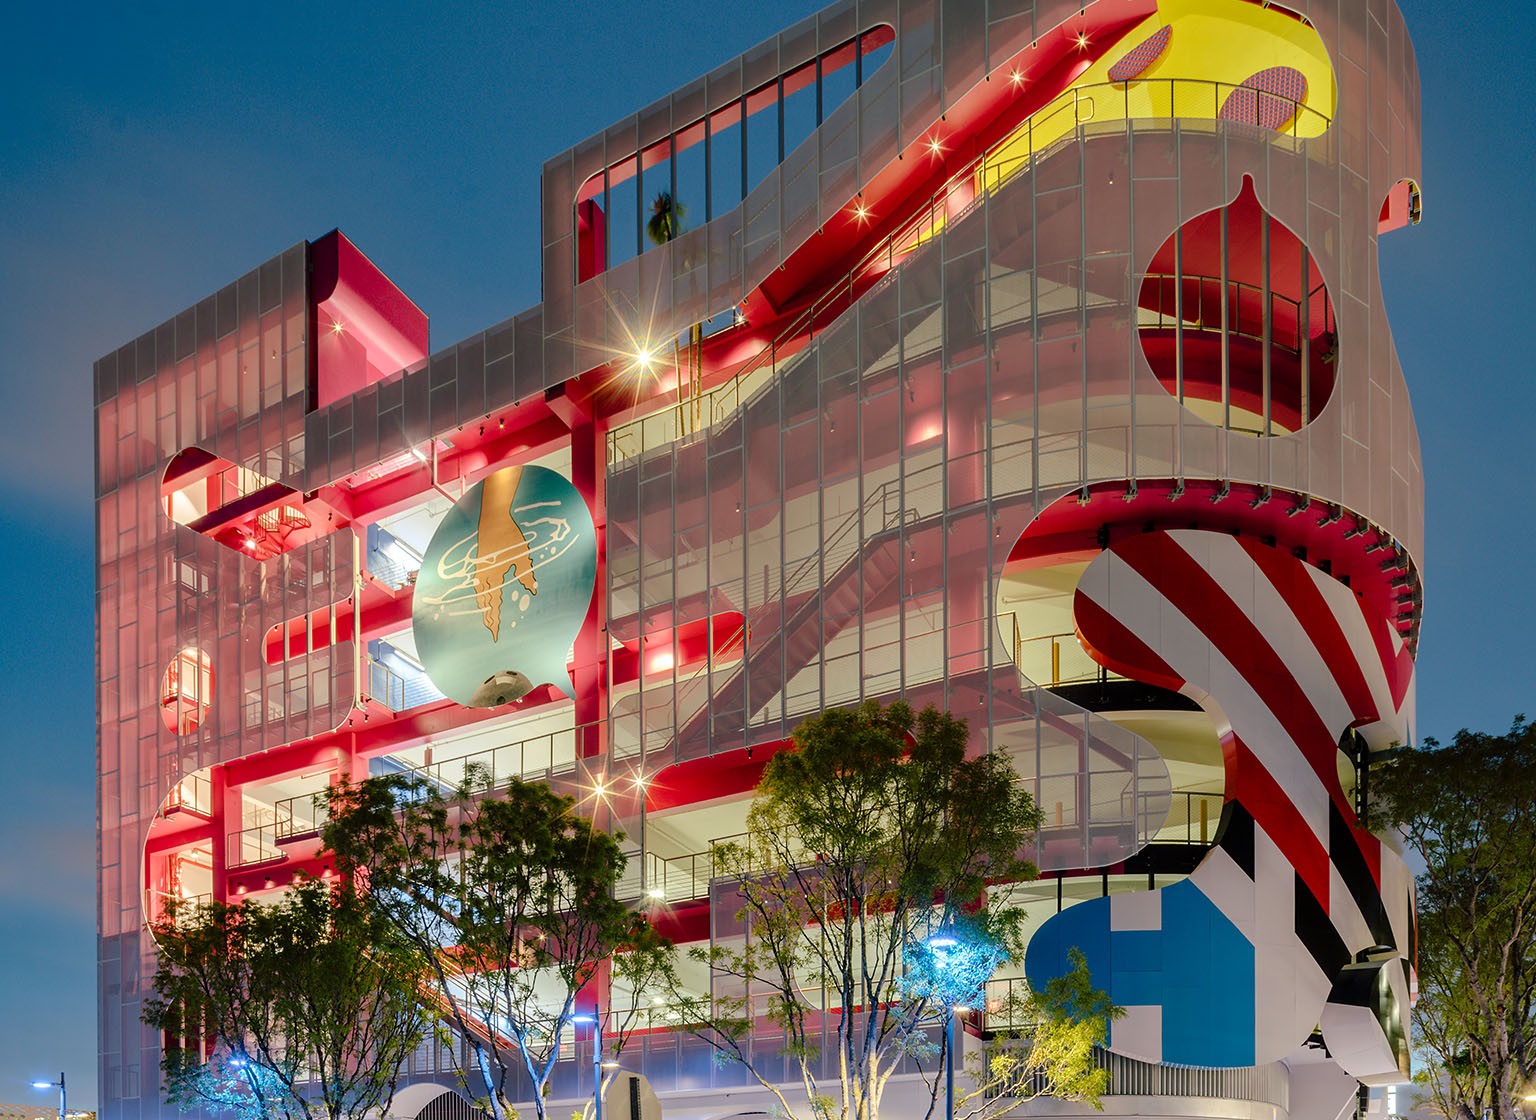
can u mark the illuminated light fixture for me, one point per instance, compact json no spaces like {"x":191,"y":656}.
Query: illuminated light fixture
{"x":962,"y":1009}
{"x":250,"y":544}
{"x":1082,"y":40}
{"x":610,"y":1063}
{"x":942,"y":941}
{"x":598,"y":789}
{"x":336,"y":327}
{"x":418,"y":454}
{"x":1016,"y":76}
{"x":935,"y":145}
{"x":645,"y":357}
{"x":656,"y":892}
{"x":860,"y":211}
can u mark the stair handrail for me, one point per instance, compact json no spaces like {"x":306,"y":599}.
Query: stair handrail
{"x":686,"y":688}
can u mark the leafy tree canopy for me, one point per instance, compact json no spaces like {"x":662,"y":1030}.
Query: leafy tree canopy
{"x":302,"y":1009}
{"x":507,"y":898}
{"x":1468,"y":809}
{"x":875,"y":884}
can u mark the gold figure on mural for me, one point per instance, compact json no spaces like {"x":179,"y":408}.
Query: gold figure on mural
{"x":502,"y":548}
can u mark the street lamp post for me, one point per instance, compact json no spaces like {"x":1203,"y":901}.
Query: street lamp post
{"x":59,"y":1085}
{"x":949,"y":1065}
{"x":595,"y":1017}
{"x":941,"y":944}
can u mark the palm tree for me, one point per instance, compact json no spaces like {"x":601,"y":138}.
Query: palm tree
{"x":667,"y":216}
{"x":665,"y":224}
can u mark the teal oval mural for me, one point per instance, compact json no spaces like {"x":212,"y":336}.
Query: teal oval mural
{"x":504,"y":587}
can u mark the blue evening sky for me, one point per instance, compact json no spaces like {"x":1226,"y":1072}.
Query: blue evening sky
{"x":151,"y":153}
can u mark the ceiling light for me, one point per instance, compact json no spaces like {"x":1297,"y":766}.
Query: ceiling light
{"x":644,"y":358}
{"x":1082,"y":40}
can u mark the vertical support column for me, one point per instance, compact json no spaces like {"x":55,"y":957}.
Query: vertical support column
{"x":361,"y":675}
{"x":590,"y":670}
{"x":224,"y":808}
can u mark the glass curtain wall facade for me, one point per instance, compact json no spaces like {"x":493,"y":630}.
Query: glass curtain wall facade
{"x":1025,"y":359}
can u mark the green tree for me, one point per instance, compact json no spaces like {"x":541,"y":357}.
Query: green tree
{"x":666,"y":220}
{"x":875,"y":884}
{"x":507,"y":898}
{"x":1468,"y":809}
{"x":304,"y":1008}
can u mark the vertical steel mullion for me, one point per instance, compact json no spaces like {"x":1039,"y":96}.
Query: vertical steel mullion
{"x":608,"y":225}
{"x":859,"y":491}
{"x":823,"y":413}
{"x":743,"y":138}
{"x":903,"y":564}
{"x":783,"y":560}
{"x":672,"y":162}
{"x":1226,"y":324}
{"x":1178,"y":313}
{"x":1178,"y":338}
{"x":639,"y":201}
{"x":1304,"y":334}
{"x":1134,"y":342}
{"x":781,"y":115}
{"x":1034,"y":340}
{"x":1082,"y":274}
{"x":709,"y":170}
{"x":819,"y":105}
{"x":1266,"y":322}
{"x":988,"y":452}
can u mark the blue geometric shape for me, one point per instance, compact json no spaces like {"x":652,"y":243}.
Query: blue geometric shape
{"x":1199,"y":969}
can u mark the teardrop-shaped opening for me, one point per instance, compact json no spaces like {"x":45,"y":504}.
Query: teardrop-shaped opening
{"x":1236,"y":322}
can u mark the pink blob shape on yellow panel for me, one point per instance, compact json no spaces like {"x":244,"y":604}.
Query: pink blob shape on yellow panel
{"x":1268,"y":99}
{"x":1136,"y":60}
